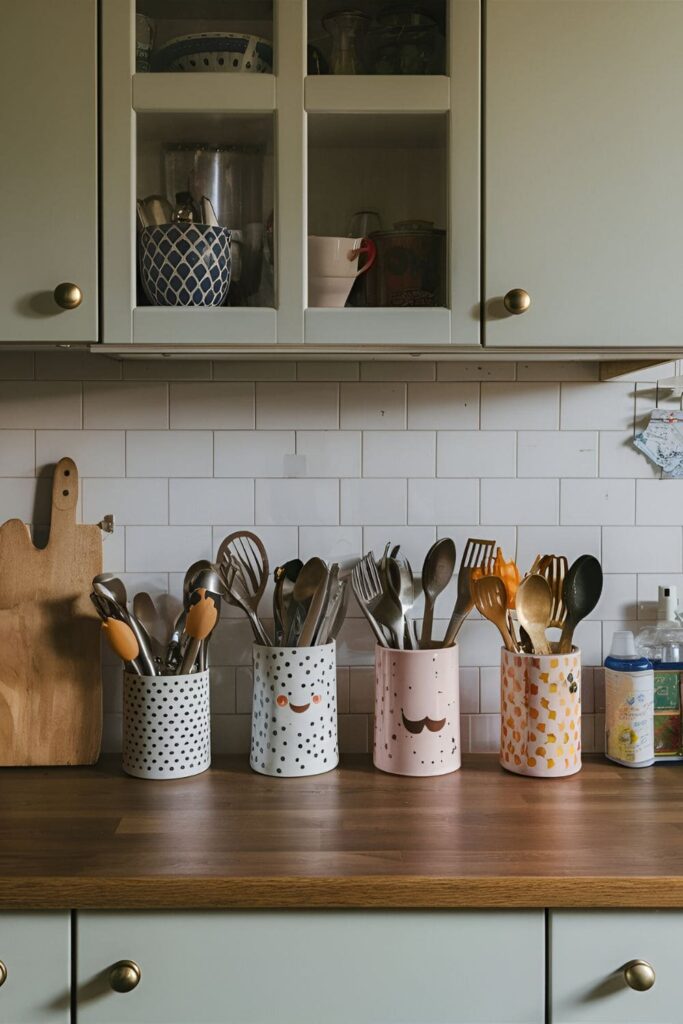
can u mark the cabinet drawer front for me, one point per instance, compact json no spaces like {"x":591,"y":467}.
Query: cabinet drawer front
{"x":252,"y":967}
{"x":588,"y":951}
{"x":35,"y":949}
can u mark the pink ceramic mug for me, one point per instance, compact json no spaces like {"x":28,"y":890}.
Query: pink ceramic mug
{"x":417,"y":711}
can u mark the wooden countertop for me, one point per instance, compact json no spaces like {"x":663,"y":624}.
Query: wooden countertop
{"x":94,"y":838}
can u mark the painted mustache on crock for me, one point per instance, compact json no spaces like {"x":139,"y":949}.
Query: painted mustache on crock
{"x":417,"y":725}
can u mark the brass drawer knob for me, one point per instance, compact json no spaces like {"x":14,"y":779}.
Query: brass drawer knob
{"x":3,"y":974}
{"x":68,"y":295}
{"x":639,"y":975}
{"x":517,"y":301}
{"x":124,"y":976}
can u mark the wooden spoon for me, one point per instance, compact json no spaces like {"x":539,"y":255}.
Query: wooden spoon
{"x":437,"y":573}
{"x":122,"y":641}
{"x":201,"y":619}
{"x":491,"y":600}
{"x":582,"y":590}
{"x":534,"y":606}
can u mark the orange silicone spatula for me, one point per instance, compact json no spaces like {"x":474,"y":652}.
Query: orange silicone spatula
{"x":122,"y":641}
{"x":201,"y":619}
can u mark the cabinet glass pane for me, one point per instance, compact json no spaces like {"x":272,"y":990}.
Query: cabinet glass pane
{"x":183,"y":160}
{"x":205,"y":36}
{"x":377,"y":37}
{"x":383,"y":177}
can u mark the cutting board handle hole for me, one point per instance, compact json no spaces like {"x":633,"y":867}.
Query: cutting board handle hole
{"x":65,"y":494}
{"x":67,"y":472}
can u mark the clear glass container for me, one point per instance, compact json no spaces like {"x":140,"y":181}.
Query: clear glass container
{"x":348,"y":30}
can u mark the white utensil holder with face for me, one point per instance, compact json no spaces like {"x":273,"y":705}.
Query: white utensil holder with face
{"x":166,"y":726}
{"x":294,"y":716}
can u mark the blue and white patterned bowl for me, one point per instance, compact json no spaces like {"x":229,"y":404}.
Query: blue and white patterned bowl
{"x":185,"y":264}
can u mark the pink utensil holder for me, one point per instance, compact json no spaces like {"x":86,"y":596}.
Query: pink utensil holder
{"x":417,"y":711}
{"x":540,"y":723}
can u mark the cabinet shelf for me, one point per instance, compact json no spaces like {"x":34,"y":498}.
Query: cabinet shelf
{"x":376,"y":94}
{"x":176,"y":92}
{"x":156,"y":325}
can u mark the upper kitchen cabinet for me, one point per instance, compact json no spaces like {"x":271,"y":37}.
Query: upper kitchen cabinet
{"x":48,"y":169}
{"x":278,"y":172}
{"x":584,"y":163}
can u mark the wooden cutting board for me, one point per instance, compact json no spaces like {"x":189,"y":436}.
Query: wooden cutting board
{"x":50,"y":678}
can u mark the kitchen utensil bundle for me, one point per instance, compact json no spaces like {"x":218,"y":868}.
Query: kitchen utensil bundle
{"x":50,"y":676}
{"x":215,"y":51}
{"x":550,"y":596}
{"x":309,"y":600}
{"x":386,"y":593}
{"x":142,"y":638}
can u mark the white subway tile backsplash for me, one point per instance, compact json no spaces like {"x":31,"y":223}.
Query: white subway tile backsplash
{"x":335,"y":458}
{"x":619,"y":457}
{"x":131,"y":502}
{"x":659,"y":502}
{"x":312,"y":406}
{"x":525,"y":502}
{"x":519,"y":406}
{"x":43,"y":405}
{"x":571,"y":541}
{"x":443,"y":501}
{"x":134,"y":405}
{"x":213,"y":405}
{"x":402,"y":370}
{"x":193,"y":502}
{"x":474,"y":453}
{"x":597,"y":407}
{"x":334,"y":453}
{"x":410,"y":452}
{"x":166,"y":548}
{"x":169,"y":453}
{"x":253,"y":453}
{"x":373,"y":501}
{"x":571,"y":453}
{"x":100,"y":453}
{"x":17,"y":453}
{"x":605,"y":502}
{"x":641,"y":549}
{"x":443,"y":406}
{"x":309,"y":502}
{"x":366,"y":406}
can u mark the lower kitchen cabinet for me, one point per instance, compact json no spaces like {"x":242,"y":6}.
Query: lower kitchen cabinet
{"x":308,"y":967}
{"x":590,"y":954}
{"x":35,"y":951}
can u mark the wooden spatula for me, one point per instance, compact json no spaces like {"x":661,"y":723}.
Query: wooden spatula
{"x":490,"y":597}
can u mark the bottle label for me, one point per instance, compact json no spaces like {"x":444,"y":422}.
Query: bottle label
{"x":629,"y":725}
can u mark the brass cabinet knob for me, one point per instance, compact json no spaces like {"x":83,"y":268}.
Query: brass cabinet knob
{"x":3,"y":974}
{"x":517,"y":301}
{"x":639,"y":975}
{"x":124,"y":976}
{"x":68,"y":295}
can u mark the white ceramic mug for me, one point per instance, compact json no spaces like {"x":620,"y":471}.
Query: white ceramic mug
{"x":333,"y":267}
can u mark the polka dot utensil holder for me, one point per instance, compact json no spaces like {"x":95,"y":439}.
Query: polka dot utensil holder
{"x":417,"y":711}
{"x":166,"y":726}
{"x":540,"y":723}
{"x":294,"y":717}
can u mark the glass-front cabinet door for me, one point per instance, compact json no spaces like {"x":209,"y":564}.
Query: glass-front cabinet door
{"x":283,"y":172}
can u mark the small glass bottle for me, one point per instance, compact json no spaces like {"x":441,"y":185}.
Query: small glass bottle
{"x":629,"y":704}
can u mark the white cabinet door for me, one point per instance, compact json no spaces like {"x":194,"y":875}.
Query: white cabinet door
{"x":589,"y":951}
{"x":584,"y":164}
{"x":315,"y":967}
{"x":35,"y":949}
{"x":48,"y":168}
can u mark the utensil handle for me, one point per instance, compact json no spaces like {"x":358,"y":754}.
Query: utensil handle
{"x":190,"y":656}
{"x":374,"y":625}
{"x":566,"y":637}
{"x":454,"y":627}
{"x":427,"y":624}
{"x":258,"y":628}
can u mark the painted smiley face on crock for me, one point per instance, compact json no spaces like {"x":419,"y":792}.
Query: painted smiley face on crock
{"x":282,"y":701}
{"x":416,"y":725}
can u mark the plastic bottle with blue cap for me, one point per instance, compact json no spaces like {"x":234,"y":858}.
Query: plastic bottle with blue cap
{"x":629,"y":704}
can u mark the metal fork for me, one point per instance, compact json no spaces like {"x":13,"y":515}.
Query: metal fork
{"x":367,"y":588}
{"x":476,"y":553}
